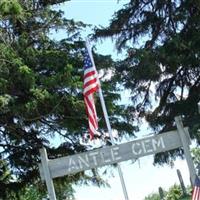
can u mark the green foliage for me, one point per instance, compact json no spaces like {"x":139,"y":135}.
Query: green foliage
{"x":41,"y":96}
{"x":10,"y":7}
{"x":174,"y":193}
{"x":37,"y":192}
{"x":196,"y":159}
{"x":186,"y":198}
{"x":4,"y":101}
{"x":31,"y":192}
{"x":196,"y":155}
{"x":153,"y":196}
{"x":161,"y":65}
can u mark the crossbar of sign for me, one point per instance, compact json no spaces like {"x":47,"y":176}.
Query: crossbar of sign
{"x":114,"y":154}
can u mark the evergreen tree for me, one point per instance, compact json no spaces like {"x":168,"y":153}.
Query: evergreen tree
{"x":162,"y":63}
{"x":41,"y":93}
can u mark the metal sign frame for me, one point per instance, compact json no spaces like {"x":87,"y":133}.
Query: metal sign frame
{"x":52,"y":168}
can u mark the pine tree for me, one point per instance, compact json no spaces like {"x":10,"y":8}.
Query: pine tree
{"x":161,"y":67}
{"x":41,"y":93}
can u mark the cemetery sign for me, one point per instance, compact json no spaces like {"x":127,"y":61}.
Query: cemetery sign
{"x":114,"y":154}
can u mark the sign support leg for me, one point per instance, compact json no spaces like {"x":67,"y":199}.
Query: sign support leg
{"x":186,"y":148}
{"x":48,"y":179}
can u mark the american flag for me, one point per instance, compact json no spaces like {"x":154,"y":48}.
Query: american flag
{"x":196,"y":189}
{"x":90,"y":86}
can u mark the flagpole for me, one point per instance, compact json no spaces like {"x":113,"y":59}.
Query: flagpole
{"x":108,"y":125}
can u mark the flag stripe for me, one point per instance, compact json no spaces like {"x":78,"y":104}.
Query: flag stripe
{"x":91,"y":110}
{"x":90,"y":74}
{"x":90,"y":86}
{"x":196,"y":189}
{"x":91,"y":82}
{"x":90,"y":89}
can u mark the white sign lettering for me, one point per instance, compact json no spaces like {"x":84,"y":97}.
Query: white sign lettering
{"x":113,"y":154}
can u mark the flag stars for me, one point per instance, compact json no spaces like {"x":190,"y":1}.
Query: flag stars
{"x":87,"y":61}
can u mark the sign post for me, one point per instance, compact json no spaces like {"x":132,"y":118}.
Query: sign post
{"x":47,"y":176}
{"x":184,"y":139}
{"x":58,"y":167}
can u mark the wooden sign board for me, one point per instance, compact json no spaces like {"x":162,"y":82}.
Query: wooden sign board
{"x":113,"y":154}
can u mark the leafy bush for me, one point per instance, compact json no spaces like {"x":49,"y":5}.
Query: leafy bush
{"x":174,"y":193}
{"x":153,"y":196}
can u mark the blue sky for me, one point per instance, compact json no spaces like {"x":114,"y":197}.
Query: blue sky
{"x":95,"y":13}
{"x":141,"y":179}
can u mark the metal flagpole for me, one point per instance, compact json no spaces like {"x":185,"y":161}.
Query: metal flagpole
{"x":108,"y":126}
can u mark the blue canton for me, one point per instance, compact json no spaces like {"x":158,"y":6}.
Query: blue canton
{"x":87,"y":60}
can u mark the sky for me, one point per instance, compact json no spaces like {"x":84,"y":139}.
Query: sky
{"x":141,"y":178}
